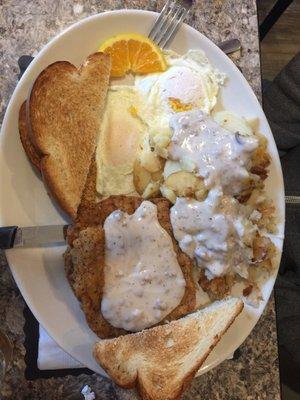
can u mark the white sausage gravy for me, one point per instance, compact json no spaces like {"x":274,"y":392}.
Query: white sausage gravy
{"x":143,"y":280}
{"x":220,"y":156}
{"x":217,"y":232}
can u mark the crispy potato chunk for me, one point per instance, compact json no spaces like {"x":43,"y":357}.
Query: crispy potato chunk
{"x":168,"y":193}
{"x":157,"y":176}
{"x":233,"y":123}
{"x":260,"y":159}
{"x":141,"y":177}
{"x":150,"y":161}
{"x":263,"y":251}
{"x":184,"y":184}
{"x":152,"y":190}
{"x":217,"y":287}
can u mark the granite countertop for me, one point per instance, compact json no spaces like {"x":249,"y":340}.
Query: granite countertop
{"x":25,"y":26}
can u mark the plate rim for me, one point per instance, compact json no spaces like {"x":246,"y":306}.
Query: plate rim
{"x":14,"y":97}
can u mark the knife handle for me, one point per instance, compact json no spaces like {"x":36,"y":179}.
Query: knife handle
{"x":7,"y":237}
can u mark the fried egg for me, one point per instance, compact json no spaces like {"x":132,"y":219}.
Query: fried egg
{"x":189,"y":82}
{"x":136,"y":119}
{"x":120,"y":136}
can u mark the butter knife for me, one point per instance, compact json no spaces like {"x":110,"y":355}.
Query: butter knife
{"x":32,"y":236}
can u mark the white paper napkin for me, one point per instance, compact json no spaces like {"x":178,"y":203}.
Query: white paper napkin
{"x":51,"y":356}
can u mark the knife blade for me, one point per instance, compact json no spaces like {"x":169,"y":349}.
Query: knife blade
{"x":32,"y":236}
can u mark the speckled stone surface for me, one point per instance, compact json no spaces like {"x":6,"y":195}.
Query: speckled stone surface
{"x":25,"y":26}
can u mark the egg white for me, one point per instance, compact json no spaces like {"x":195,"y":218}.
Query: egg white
{"x":121,"y":135}
{"x":190,"y":79}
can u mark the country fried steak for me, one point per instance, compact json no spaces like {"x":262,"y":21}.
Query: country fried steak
{"x":85,"y":259}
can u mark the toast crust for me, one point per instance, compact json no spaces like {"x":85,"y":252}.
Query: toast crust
{"x":84,"y":260}
{"x":30,"y":150}
{"x":162,"y":361}
{"x":63,"y":116}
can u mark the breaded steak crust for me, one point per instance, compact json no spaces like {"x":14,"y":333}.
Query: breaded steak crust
{"x":85,"y":260}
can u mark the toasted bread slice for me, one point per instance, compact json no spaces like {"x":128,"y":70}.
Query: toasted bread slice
{"x":89,"y":195}
{"x":64,"y":113}
{"x":161,"y":361}
{"x":30,"y":150}
{"x":84,"y":260}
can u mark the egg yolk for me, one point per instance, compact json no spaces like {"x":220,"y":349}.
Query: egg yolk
{"x":178,"y":106}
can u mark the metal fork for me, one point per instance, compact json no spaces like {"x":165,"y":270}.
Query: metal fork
{"x":169,"y":21}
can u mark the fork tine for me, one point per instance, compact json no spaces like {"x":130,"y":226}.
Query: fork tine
{"x":158,"y":21}
{"x":165,"y":23}
{"x":174,"y":30}
{"x":171,"y":27}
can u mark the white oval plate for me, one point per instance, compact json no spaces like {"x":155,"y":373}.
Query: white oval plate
{"x":39,"y":273}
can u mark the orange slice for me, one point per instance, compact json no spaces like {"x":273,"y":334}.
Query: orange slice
{"x":131,"y":52}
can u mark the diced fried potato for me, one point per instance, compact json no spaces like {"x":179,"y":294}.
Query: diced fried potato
{"x":152,"y":190}
{"x":168,"y":193}
{"x":261,"y":159}
{"x":263,"y":251}
{"x":163,"y":153}
{"x":268,"y":216}
{"x":160,"y":138}
{"x":187,"y":165}
{"x":233,"y":123}
{"x":217,"y":287}
{"x":253,"y":123}
{"x":141,"y":177}
{"x":171,"y":167}
{"x":150,"y":161}
{"x":157,"y":176}
{"x":201,"y":193}
{"x":184,"y":184}
{"x":161,"y":141}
